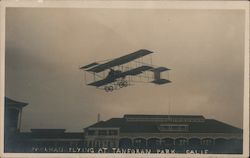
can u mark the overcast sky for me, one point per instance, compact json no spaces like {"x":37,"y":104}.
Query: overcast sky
{"x":45,"y":47}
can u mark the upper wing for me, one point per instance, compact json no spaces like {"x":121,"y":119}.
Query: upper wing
{"x":89,"y":65}
{"x":121,"y":60}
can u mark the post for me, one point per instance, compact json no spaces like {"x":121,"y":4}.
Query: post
{"x":98,"y":117}
{"x":19,"y":120}
{"x":85,"y":77}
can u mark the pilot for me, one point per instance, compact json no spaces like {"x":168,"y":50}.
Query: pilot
{"x":111,"y":73}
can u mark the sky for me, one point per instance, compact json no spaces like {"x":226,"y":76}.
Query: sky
{"x":45,"y":48}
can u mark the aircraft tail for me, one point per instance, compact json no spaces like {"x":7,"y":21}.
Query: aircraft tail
{"x":157,"y":75}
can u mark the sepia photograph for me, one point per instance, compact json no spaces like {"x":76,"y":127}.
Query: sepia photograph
{"x":146,"y":79}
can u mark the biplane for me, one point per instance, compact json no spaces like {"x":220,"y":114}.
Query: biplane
{"x":123,"y":71}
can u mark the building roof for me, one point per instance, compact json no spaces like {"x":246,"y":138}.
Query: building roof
{"x":64,"y":135}
{"x":111,"y":123}
{"x":165,"y":118}
{"x":48,"y":130}
{"x":206,"y":126}
{"x":52,"y":134}
{"x":11,"y":102}
{"x":161,"y":116}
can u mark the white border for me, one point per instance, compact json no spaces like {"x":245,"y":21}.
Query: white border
{"x":128,"y":4}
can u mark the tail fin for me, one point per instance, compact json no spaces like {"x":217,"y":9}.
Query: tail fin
{"x":157,"y":75}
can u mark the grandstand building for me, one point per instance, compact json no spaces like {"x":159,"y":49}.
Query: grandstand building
{"x":131,"y":133}
{"x":181,"y":133}
{"x":35,"y":140}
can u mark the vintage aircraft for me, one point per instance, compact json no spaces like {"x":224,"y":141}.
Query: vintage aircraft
{"x":123,"y":71}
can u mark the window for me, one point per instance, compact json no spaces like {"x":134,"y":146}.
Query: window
{"x":137,"y":141}
{"x":173,"y":127}
{"x":113,"y":132}
{"x":102,"y":132}
{"x":101,"y":144}
{"x":90,"y":143}
{"x":207,"y":142}
{"x":91,"y":132}
{"x":183,"y":142}
{"x":108,"y":144}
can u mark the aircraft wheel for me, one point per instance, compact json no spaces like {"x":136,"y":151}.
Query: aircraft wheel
{"x":110,"y":88}
{"x":121,"y":84}
{"x":106,"y":88}
{"x":125,"y":84}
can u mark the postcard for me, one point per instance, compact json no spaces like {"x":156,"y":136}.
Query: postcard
{"x":122,"y":78}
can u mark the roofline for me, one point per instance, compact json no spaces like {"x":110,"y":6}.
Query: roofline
{"x":100,"y":128}
{"x":161,"y":115}
{"x":226,"y":124}
{"x":12,"y":102}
